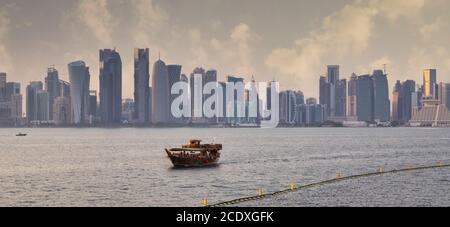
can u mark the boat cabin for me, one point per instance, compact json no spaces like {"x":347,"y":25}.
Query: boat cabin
{"x":193,"y":144}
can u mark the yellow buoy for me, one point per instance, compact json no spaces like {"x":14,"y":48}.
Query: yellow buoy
{"x":292,"y":186}
{"x":381,"y":170}
{"x":205,"y":202}
{"x":260,"y":192}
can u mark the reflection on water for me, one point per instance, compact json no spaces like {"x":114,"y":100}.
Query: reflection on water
{"x":128,"y":167}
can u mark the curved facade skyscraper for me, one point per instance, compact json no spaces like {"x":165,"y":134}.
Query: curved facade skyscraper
{"x":79,"y":91}
{"x":160,"y":93}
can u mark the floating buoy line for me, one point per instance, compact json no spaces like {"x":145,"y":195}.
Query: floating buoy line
{"x":293,"y":188}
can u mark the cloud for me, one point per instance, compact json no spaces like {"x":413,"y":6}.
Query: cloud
{"x":232,"y":54}
{"x":344,"y":35}
{"x":150,"y":19}
{"x":434,"y":57}
{"x":198,"y":50}
{"x":379,"y":63}
{"x":429,"y":31}
{"x":394,"y":9}
{"x":97,"y":17}
{"x":5,"y":59}
{"x":241,"y":36}
{"x":346,"y":32}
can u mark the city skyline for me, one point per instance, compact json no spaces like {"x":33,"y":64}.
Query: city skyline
{"x":368,"y":97}
{"x":293,"y":47}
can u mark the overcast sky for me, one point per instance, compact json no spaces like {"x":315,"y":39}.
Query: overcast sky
{"x":291,"y":41}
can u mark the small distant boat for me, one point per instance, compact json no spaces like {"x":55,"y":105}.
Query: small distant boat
{"x":21,"y":134}
{"x":195,"y":154}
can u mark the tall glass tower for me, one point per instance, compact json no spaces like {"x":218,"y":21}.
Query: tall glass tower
{"x":53,"y":87}
{"x":365,"y":98}
{"x":160,"y":93}
{"x":382,"y":104}
{"x":141,"y":86}
{"x":110,"y":87}
{"x":429,"y":83}
{"x":174,"y":73}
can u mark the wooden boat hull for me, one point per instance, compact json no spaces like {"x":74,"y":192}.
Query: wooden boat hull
{"x":186,"y":160}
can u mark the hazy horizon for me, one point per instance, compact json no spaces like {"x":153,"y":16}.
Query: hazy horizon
{"x":289,"y":41}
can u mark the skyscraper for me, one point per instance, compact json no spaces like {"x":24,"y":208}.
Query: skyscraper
{"x":141,"y":86}
{"x":62,"y":110}
{"x":408,"y":88}
{"x":10,"y":102}
{"x":43,"y":109}
{"x":397,"y":102}
{"x":160,"y":93}
{"x":127,"y":110}
{"x":333,"y":78}
{"x":333,"y":93}
{"x":311,"y":101}
{"x":404,"y":101}
{"x":341,"y":98}
{"x":301,"y":98}
{"x":416,"y":101}
{"x":184,"y":78}
{"x":53,"y":87}
{"x":311,"y":113}
{"x":252,"y":103}
{"x":14,"y":97}
{"x":32,"y":103}
{"x":236,"y":103}
{"x":324,"y":96}
{"x":65,"y":88}
{"x":352,"y":84}
{"x":447,"y":102}
{"x":110,"y":87}
{"x":79,"y":91}
{"x":365,"y":98}
{"x":174,"y":73}
{"x":197,"y":99}
{"x":93,"y":103}
{"x":210,"y":77}
{"x":333,"y":73}
{"x":185,"y":119}
{"x":382,"y":104}
{"x":16,"y":108}
{"x":447,"y":96}
{"x":2,"y":87}
{"x":12,"y":88}
{"x":429,"y":83}
{"x":444,"y":94}
{"x":287,"y":107}
{"x":369,"y":97}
